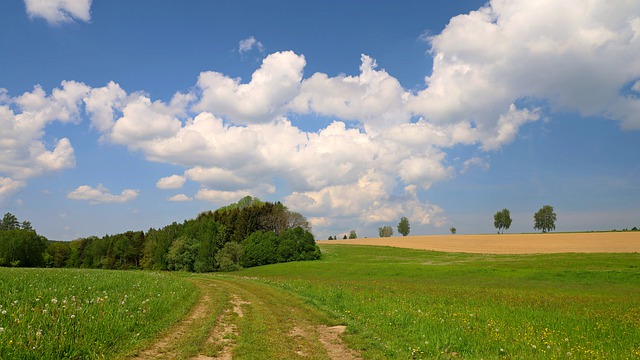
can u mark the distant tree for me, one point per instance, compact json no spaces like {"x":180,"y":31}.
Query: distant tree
{"x":545,"y":219}
{"x":453,"y":230}
{"x":26,"y":225}
{"x":20,"y":247}
{"x":403,"y":226}
{"x":344,"y":237}
{"x":330,"y":237}
{"x":385,"y":231}
{"x":502,"y":220}
{"x":353,"y":235}
{"x":9,"y":222}
{"x":634,"y":229}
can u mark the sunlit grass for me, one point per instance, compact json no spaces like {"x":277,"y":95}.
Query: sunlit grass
{"x":85,"y":314}
{"x":401,"y":303}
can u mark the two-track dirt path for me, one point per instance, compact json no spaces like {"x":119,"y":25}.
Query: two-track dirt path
{"x":237,"y":318}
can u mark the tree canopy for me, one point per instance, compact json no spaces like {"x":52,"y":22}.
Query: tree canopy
{"x":502,"y":220}
{"x":545,"y":219}
{"x":403,"y":226}
{"x":385,"y":231}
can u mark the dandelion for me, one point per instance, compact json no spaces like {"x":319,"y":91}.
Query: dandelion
{"x":39,"y":334}
{"x":1,"y":329}
{"x":54,"y":300}
{"x":4,"y":312}
{"x":534,"y":347}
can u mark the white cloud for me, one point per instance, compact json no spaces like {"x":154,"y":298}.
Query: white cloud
{"x":262,"y":99}
{"x":575,"y":55}
{"x":171,"y":182}
{"x":22,"y":125}
{"x":474,"y":162}
{"x":374,"y":98}
{"x":101,"y":194}
{"x":9,"y":186}
{"x":59,"y":11}
{"x":248,"y":44}
{"x":179,"y":198}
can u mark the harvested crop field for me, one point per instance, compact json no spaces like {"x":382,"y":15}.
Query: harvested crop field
{"x":593,"y":242}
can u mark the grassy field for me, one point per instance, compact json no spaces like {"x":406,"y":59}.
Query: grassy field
{"x":85,"y":314}
{"x":401,"y":303}
{"x":397,"y":304}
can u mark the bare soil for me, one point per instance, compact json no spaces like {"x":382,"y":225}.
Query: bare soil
{"x":593,"y":242}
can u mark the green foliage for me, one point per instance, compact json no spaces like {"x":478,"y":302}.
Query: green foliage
{"x":403,"y":226}
{"x":9,"y":222}
{"x":293,"y":245}
{"x":502,"y":220}
{"x":353,"y":235}
{"x":453,"y":230}
{"x":182,"y":254}
{"x":385,"y":231}
{"x":545,"y":219}
{"x":20,"y":247}
{"x":229,"y":257}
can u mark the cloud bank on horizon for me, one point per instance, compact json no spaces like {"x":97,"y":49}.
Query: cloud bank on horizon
{"x":237,"y":137}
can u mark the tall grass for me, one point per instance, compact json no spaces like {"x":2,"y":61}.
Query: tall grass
{"x":402,"y":304}
{"x":85,"y":314}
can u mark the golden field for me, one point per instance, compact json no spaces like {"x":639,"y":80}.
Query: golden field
{"x":591,"y":242}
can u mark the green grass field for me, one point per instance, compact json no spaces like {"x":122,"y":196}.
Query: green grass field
{"x":405,"y":304}
{"x":397,"y":304}
{"x":85,"y":314}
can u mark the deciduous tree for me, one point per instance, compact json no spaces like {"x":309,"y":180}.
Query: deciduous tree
{"x":545,"y":219}
{"x":403,"y":226}
{"x":385,"y":231}
{"x":502,"y":220}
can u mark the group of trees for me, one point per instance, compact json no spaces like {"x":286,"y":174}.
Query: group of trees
{"x":544,"y":219}
{"x":245,"y":234}
{"x":403,"y":228}
{"x":20,"y":245}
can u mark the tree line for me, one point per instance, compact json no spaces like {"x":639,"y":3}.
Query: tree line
{"x":244,"y":234}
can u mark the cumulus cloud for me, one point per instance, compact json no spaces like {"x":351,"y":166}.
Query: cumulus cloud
{"x":248,"y":44}
{"x":59,"y":11}
{"x":374,"y":98}
{"x":263,"y":98}
{"x":9,"y":186}
{"x":101,"y":194}
{"x":179,"y":198}
{"x":22,"y":126}
{"x":490,"y":60}
{"x":171,"y":182}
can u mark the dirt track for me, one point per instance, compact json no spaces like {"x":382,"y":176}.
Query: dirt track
{"x":604,"y":242}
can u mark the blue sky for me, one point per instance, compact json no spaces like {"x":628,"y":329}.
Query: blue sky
{"x":120,"y":115}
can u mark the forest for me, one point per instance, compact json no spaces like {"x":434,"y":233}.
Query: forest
{"x":244,"y":234}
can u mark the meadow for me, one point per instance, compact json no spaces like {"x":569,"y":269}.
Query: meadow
{"x":416,"y":304}
{"x":85,"y":314}
{"x":396,"y":303}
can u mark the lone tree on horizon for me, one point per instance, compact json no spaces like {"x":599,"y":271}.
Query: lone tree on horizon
{"x":403,"y":226}
{"x":545,"y":219}
{"x":502,"y":220}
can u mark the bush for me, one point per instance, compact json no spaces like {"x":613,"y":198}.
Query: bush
{"x":229,"y":257}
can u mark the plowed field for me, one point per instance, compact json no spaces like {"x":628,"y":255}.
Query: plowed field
{"x":596,"y":242}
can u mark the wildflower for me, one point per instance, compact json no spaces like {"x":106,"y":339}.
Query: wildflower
{"x":1,"y":329}
{"x":534,"y":347}
{"x":54,"y":300}
{"x":4,"y":312}
{"x":39,"y":334}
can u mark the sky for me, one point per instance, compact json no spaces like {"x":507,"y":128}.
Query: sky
{"x":128,"y":115}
